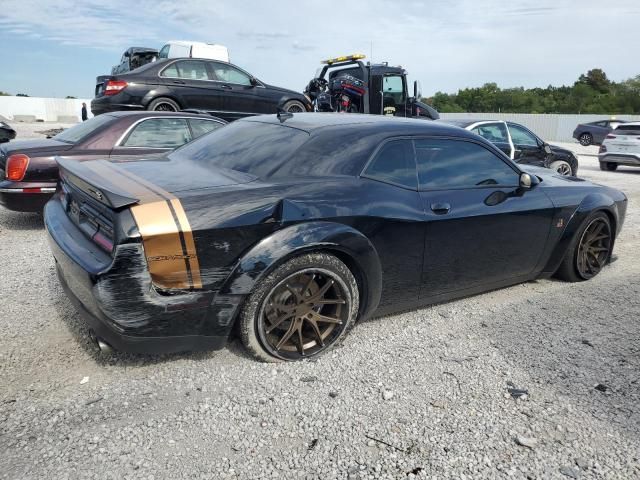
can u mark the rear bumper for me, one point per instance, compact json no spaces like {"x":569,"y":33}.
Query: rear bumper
{"x":115,"y":297}
{"x":25,"y":197}
{"x":108,"y":104}
{"x":99,"y":325}
{"x":620,"y":158}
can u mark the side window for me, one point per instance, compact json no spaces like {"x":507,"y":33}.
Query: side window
{"x":494,"y":132}
{"x":159,"y":133}
{"x":394,"y":163}
{"x":602,"y":124}
{"x":393,"y":87}
{"x":227,"y":73}
{"x":187,"y":69}
{"x":171,"y":71}
{"x":200,"y":127}
{"x":444,"y":164}
{"x":164,"y":53}
{"x":521,"y":136}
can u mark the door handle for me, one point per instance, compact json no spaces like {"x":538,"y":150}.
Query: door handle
{"x":440,"y":208}
{"x":179,"y":82}
{"x":226,"y":86}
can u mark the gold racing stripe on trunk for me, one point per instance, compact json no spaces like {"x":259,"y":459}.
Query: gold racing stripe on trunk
{"x":189,"y":243}
{"x":170,"y":222}
{"x":162,"y":245}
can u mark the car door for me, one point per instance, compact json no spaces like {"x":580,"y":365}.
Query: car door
{"x":241,"y":96}
{"x":190,"y":83}
{"x":153,"y":135}
{"x":482,"y":228}
{"x":527,"y":147}
{"x":398,"y":233}
{"x":496,"y":133}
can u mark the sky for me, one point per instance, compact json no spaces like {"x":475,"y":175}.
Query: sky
{"x":57,"y":48}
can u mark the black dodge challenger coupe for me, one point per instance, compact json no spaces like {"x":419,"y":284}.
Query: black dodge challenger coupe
{"x":292,"y":227}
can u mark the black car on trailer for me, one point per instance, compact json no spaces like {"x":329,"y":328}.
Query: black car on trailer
{"x":217,"y":87}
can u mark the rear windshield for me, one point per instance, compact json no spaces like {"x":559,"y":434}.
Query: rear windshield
{"x":267,"y":150}
{"x":627,"y":129}
{"x":83,"y":129}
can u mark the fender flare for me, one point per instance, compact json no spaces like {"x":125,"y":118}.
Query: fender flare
{"x":593,"y":202}
{"x":347,"y":243}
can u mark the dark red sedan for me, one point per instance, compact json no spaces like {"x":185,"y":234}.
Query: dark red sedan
{"x":29,"y":167}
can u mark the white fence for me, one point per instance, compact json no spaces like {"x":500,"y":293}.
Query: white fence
{"x":31,"y":109}
{"x":551,"y":127}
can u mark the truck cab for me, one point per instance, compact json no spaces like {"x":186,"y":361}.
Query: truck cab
{"x":386,"y":91}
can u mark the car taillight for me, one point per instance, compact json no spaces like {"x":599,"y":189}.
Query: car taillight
{"x":602,"y":149}
{"x":611,"y":136}
{"x":16,"y":167}
{"x":114,"y":86}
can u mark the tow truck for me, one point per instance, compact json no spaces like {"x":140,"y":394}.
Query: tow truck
{"x":349,"y":84}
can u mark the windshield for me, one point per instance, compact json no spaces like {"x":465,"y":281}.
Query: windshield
{"x":81,"y":130}
{"x":259,"y":149}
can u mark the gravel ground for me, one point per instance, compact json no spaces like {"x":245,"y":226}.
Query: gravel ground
{"x":418,"y":395}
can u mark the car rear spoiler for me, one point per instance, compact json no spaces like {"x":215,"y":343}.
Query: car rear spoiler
{"x":93,"y":183}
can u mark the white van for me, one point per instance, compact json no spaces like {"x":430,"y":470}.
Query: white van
{"x":182,"y":49}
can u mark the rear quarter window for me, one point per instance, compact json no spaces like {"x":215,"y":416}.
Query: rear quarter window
{"x":270,"y":151}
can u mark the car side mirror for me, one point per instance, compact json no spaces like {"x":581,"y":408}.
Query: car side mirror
{"x":253,"y":81}
{"x":528,"y":181}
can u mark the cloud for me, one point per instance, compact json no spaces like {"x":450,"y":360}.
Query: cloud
{"x":446,"y":45}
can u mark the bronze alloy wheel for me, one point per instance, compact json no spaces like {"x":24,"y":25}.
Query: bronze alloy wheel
{"x":304,"y":314}
{"x":594,"y":248}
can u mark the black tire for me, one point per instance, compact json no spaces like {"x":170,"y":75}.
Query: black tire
{"x":585,"y":139}
{"x":570,"y":270}
{"x":294,"y":106}
{"x":163,"y":104}
{"x":608,"y":166}
{"x":285,"y":290}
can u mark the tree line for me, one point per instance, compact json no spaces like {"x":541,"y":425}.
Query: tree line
{"x":593,"y":93}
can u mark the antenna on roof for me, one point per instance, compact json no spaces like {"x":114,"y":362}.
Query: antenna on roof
{"x":283,"y":115}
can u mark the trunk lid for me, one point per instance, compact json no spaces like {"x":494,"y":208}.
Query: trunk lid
{"x":130,"y":181}
{"x":32,"y":148}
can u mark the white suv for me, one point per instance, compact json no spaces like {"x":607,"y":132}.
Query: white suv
{"x":621,"y":147}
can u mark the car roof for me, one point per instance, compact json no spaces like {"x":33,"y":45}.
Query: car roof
{"x":312,"y":122}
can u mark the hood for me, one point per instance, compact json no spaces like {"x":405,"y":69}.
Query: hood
{"x":551,"y":177}
{"x":47,"y":146}
{"x":286,"y":90}
{"x":123,"y":183}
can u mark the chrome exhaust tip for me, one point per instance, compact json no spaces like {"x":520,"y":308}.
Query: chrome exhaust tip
{"x":104,"y":346}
